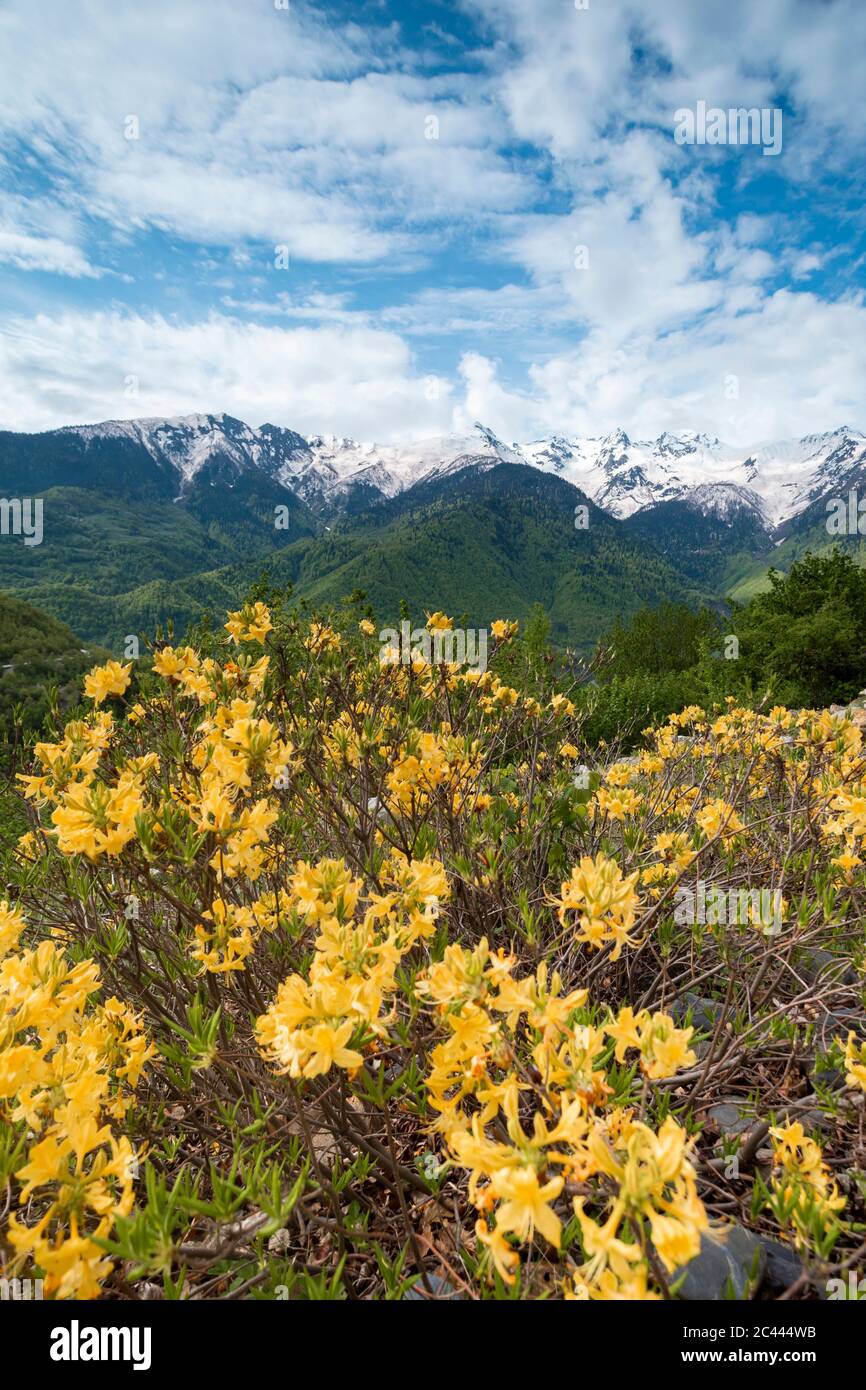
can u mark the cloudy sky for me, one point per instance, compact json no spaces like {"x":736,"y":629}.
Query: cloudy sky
{"x":388,"y":218}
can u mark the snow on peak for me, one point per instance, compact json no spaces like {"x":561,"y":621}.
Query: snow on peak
{"x":508,"y":453}
{"x":617,"y":439}
{"x":781,"y":478}
{"x":778,"y":478}
{"x":725,"y":501}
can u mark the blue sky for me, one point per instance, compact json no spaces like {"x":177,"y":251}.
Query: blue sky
{"x":363,"y":218}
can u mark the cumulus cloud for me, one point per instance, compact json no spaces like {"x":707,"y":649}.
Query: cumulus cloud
{"x":80,"y":368}
{"x":789,"y":365}
{"x":43,"y":253}
{"x":513,"y":217}
{"x":222,"y":124}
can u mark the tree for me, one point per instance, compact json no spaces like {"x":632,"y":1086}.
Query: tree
{"x":657,"y":641}
{"x":806,"y":636}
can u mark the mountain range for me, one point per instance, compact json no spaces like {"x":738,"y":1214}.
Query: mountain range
{"x":159,"y":518}
{"x":778,"y":480}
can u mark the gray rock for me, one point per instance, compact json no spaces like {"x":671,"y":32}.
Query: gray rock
{"x":815,"y":1119}
{"x":723,"y":1268}
{"x":832,"y":1077}
{"x":817,"y":965}
{"x":705,"y":1012}
{"x":729,"y":1117}
{"x":440,"y":1291}
{"x":840,"y":1022}
{"x":782,"y":1265}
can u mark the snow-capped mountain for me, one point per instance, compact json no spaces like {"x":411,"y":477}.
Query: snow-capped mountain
{"x":724,"y":500}
{"x":776,"y":480}
{"x":779,"y":478}
{"x":331,"y":465}
{"x":187,"y":444}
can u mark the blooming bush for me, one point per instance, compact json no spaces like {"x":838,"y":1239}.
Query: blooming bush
{"x":405,"y":998}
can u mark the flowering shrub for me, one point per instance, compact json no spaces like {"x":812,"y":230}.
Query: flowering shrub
{"x":67,"y":1068}
{"x":404,"y":998}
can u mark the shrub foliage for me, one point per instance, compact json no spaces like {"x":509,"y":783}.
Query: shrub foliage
{"x":322,"y":977}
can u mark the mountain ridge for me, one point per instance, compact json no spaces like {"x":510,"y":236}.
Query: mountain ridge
{"x":161,"y":517}
{"x":622,"y":476}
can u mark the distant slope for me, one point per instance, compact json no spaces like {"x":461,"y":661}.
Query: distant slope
{"x":808,"y":530}
{"x":37,"y":651}
{"x":157,"y":519}
{"x":489,"y":543}
{"x":711,"y":536}
{"x":123,"y":504}
{"x":492,"y":543}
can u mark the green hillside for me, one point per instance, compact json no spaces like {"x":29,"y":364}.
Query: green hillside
{"x":37,"y":653}
{"x":711,"y":550}
{"x":487,"y":544}
{"x":810,"y":537}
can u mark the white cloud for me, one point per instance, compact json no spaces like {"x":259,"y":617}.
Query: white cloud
{"x":80,"y":368}
{"x":262,"y":128}
{"x":485,"y":400}
{"x":787,"y":365}
{"x":43,"y":253}
{"x":640,"y":267}
{"x":572,"y":78}
{"x":37,"y":234}
{"x":224,"y":124}
{"x":795,"y":363}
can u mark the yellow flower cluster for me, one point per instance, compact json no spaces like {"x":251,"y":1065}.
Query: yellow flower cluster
{"x":664,"y":1048}
{"x":802,"y":1186}
{"x":110,"y":679}
{"x":236,"y":754}
{"x":97,"y":818}
{"x":656,"y":1184}
{"x":432,"y":763}
{"x":92,"y":816}
{"x":516,"y":1061}
{"x":307,"y":1029}
{"x":249,"y":624}
{"x":231,"y":932}
{"x":103,"y":801}
{"x":604,"y":900}
{"x":71,"y":761}
{"x":617,"y":804}
{"x":718,"y":817}
{"x":67,"y":1067}
{"x":855,"y":1061}
{"x":851,"y":819}
{"x":217,"y":795}
{"x":323,"y":638}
